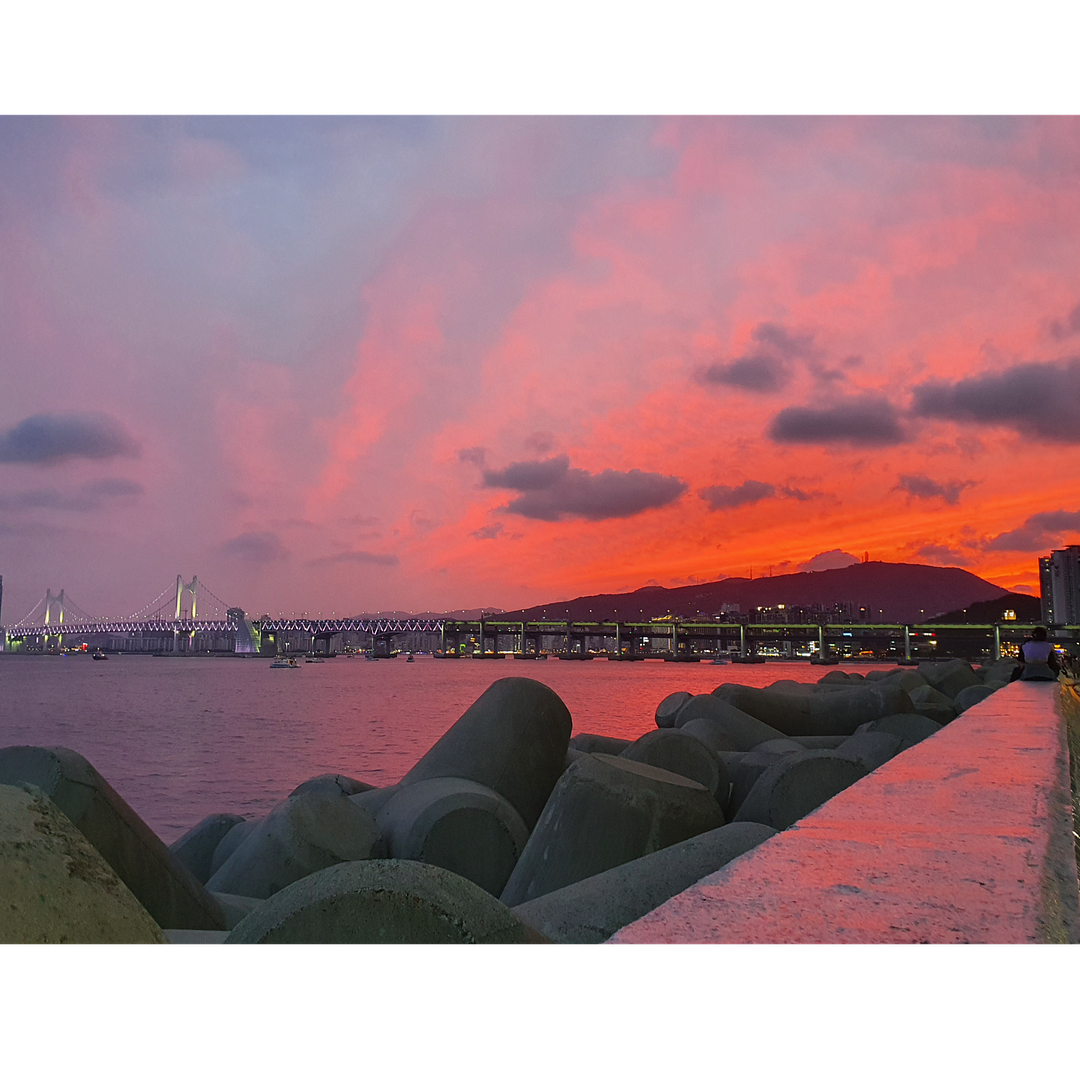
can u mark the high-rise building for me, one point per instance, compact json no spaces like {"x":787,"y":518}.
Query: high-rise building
{"x":1059,"y":579}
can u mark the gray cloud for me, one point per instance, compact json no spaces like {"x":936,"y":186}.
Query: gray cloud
{"x":835,"y":559}
{"x":87,"y":497}
{"x":1063,"y":328}
{"x":868,"y":420}
{"x":488,"y":532}
{"x":369,"y":557}
{"x":47,"y":438}
{"x":767,"y":368}
{"x":762,"y":374}
{"x":922,"y":487}
{"x":255,"y":547}
{"x":722,"y":497}
{"x":785,"y":344}
{"x":1040,"y":532}
{"x":1040,"y":400}
{"x":473,"y":455}
{"x":529,"y":475}
{"x":938,"y":553}
{"x":553,"y":491}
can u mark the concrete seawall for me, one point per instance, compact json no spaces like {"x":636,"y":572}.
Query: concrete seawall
{"x":966,"y":837}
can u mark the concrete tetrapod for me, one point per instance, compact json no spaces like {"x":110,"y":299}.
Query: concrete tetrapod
{"x":160,"y":882}
{"x":333,"y":784}
{"x":971,"y":695}
{"x":933,"y":704}
{"x":512,"y":739}
{"x":56,"y":887}
{"x":682,"y":754}
{"x":230,"y":842}
{"x":798,"y":785}
{"x":386,"y":901}
{"x":299,"y":836}
{"x":598,"y":744}
{"x":750,"y":768}
{"x":871,"y":748}
{"x":911,"y":728}
{"x":195,"y":849}
{"x":458,"y":825}
{"x":603,"y":812}
{"x":949,"y":677}
{"x":713,"y":734}
{"x":669,"y":708}
{"x":746,"y":730}
{"x":838,"y":713}
{"x":593,"y":909}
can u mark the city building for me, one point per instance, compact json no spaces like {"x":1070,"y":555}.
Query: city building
{"x":1059,"y":579}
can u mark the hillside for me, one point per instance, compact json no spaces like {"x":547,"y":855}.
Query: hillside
{"x":896,"y":592}
{"x":1028,"y":610}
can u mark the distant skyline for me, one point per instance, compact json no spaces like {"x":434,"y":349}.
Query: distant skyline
{"x":434,"y":363}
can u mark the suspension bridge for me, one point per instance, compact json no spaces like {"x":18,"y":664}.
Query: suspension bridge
{"x":184,"y":609}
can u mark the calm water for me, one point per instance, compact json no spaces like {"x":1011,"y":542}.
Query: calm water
{"x":181,"y":738}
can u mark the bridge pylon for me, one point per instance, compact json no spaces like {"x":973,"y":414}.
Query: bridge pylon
{"x":58,"y":601}
{"x":181,"y":588}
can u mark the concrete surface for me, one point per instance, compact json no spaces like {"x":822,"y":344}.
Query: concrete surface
{"x":966,"y":837}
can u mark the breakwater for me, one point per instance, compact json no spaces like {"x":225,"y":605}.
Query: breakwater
{"x":509,"y":828}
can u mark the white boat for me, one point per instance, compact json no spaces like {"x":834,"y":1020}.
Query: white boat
{"x":290,"y":663}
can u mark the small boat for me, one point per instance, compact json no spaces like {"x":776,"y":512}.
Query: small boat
{"x":410,"y":659}
{"x":99,"y":655}
{"x":290,"y":663}
{"x":720,"y":660}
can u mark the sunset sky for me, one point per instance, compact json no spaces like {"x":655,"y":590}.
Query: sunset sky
{"x":352,"y":364}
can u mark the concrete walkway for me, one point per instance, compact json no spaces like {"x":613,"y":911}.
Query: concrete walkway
{"x":966,"y":837}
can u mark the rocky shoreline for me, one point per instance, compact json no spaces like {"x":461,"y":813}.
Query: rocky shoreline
{"x":510,"y":829}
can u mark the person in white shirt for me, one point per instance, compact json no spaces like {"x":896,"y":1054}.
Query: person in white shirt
{"x":1038,"y":659}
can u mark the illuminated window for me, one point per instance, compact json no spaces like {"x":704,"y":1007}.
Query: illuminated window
{"x":1009,"y":616}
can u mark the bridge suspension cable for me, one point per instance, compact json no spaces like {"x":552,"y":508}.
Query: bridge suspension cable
{"x":222,"y":605}
{"x":26,"y":618}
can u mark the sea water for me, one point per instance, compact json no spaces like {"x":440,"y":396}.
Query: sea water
{"x":183,"y":737}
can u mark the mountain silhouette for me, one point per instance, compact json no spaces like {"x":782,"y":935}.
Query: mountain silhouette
{"x":893,"y":592}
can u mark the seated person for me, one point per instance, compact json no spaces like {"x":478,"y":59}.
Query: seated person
{"x":1038,"y":660}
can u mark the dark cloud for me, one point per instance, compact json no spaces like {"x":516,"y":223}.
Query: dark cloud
{"x":922,"y":487}
{"x":1063,"y":328}
{"x":473,"y":455}
{"x":785,"y":344}
{"x":938,"y":553}
{"x":553,"y":491}
{"x":768,"y":367}
{"x":87,"y":497}
{"x":255,"y":547}
{"x":722,"y":497}
{"x":488,"y":532}
{"x":1040,"y":400}
{"x":834,"y":559}
{"x":762,"y":374}
{"x":1040,"y":532}
{"x":798,"y":494}
{"x":51,"y":437}
{"x":371,"y":557}
{"x":868,"y":420}
{"x":529,"y":475}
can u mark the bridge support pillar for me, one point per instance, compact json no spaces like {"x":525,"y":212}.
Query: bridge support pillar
{"x":907,"y":642}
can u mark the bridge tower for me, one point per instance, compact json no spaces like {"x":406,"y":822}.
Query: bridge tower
{"x":181,"y":588}
{"x":58,"y":601}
